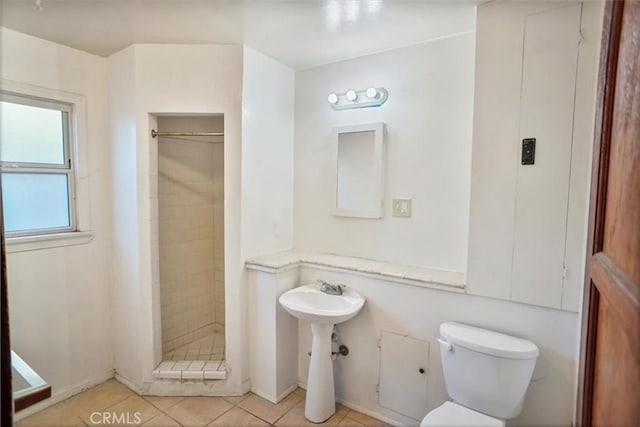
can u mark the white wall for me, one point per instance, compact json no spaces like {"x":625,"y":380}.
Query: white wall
{"x":170,"y":79}
{"x":125,"y":291}
{"x":203,"y":79}
{"x":418,"y":312}
{"x":267,"y":192}
{"x":428,"y":120}
{"x":429,"y":133}
{"x":267,"y":154}
{"x":59,"y":298}
{"x":497,"y":177}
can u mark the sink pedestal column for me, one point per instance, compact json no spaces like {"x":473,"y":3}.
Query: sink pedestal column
{"x":321,"y":395}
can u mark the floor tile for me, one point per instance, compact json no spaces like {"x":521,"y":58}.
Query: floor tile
{"x":201,"y":349}
{"x":211,"y":365}
{"x":365,"y":419}
{"x":237,"y":417}
{"x":132,"y":410}
{"x":196,"y":365}
{"x":349,"y":422}
{"x":161,"y":420}
{"x":165,"y":365}
{"x":341,"y":409}
{"x":54,"y":416}
{"x":295,"y":418}
{"x":251,"y":410}
{"x":198,"y":411}
{"x":98,"y":398}
{"x":236,"y":399}
{"x":266,"y":410}
{"x":164,"y":402}
{"x":181,"y":365}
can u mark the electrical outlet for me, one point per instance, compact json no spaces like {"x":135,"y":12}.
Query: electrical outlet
{"x":402,"y":207}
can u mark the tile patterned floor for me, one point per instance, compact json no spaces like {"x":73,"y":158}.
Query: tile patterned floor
{"x":210,"y":347}
{"x":112,"y":397}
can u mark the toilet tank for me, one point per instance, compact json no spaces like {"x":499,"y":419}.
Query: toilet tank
{"x":485,"y":370}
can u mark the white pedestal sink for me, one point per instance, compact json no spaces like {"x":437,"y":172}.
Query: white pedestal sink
{"x":322,"y":311}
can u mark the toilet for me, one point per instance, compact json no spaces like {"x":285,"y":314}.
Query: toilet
{"x":486,"y":374}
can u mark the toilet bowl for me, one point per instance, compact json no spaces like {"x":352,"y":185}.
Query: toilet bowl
{"x":451,"y":414}
{"x":486,"y":374}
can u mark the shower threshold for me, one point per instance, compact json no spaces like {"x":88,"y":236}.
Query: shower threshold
{"x":200,"y":360}
{"x":191,"y":370}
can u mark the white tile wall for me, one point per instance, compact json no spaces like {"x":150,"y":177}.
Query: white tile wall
{"x":191,"y":245}
{"x":218,"y":234}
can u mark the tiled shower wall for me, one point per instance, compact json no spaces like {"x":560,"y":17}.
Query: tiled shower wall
{"x":191,"y":239}
{"x":218,"y":231}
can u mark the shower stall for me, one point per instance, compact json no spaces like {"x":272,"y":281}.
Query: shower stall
{"x":191,"y":241}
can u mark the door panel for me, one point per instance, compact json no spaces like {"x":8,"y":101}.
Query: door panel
{"x":546,"y":113}
{"x":622,"y":221}
{"x":610,"y":347}
{"x":403,"y":387}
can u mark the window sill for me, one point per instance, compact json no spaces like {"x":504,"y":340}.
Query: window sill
{"x":46,"y":241}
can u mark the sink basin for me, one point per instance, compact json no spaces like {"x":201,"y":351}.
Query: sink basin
{"x":322,"y":311}
{"x":308,"y":303}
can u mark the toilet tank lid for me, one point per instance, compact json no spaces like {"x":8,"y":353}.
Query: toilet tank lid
{"x":488,"y":342}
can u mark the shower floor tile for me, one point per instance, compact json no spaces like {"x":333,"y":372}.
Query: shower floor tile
{"x":210,"y":347}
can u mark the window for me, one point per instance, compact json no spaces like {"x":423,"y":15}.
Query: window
{"x":35,"y":161}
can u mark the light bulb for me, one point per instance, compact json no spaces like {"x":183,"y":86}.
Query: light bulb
{"x":332,"y":98}
{"x":372,"y":93}
{"x":352,"y":95}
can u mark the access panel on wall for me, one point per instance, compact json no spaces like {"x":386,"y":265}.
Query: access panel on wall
{"x":542,"y":194}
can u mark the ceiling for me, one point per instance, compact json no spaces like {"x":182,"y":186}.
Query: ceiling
{"x":299,"y":33}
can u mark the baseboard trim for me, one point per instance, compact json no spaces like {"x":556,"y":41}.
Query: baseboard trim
{"x":369,"y":412}
{"x":263,"y":395}
{"x":360,"y":409}
{"x":287,"y":392}
{"x":131,"y":386}
{"x":64,"y":394}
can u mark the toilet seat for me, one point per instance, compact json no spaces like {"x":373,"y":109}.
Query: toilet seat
{"x":450,"y":414}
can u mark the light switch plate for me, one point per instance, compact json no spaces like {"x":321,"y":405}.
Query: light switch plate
{"x":402,"y":207}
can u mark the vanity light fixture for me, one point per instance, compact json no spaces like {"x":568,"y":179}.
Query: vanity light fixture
{"x":372,"y":93}
{"x":370,"y":97}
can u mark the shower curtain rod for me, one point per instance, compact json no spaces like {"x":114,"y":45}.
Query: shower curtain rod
{"x":155,"y":133}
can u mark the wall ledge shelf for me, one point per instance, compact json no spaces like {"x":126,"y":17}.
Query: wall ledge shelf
{"x":47,"y":241}
{"x":451,"y":281}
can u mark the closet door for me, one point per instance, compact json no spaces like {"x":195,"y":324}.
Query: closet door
{"x":550,"y":59}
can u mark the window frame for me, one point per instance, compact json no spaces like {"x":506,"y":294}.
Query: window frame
{"x":66,"y":168}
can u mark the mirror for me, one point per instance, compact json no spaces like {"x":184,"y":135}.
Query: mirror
{"x":359,"y":152}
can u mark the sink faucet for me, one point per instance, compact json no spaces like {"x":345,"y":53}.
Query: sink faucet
{"x":330,"y":289}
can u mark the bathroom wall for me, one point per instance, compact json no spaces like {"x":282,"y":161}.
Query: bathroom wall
{"x":418,"y":312}
{"x":125,"y":290}
{"x":267,"y":174}
{"x":509,"y":200}
{"x":258,"y":142}
{"x":59,"y":298}
{"x":169,"y":79}
{"x":190,"y":190}
{"x":267,"y":154}
{"x":428,"y":120}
